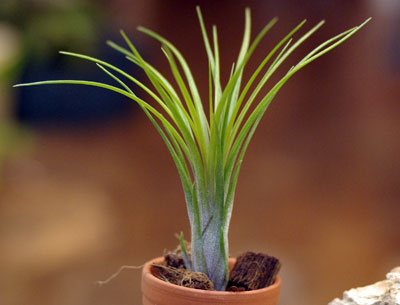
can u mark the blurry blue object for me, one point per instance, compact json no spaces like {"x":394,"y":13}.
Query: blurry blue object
{"x":71,"y":104}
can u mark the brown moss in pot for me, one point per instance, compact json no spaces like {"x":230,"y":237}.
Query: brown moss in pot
{"x":251,"y":271}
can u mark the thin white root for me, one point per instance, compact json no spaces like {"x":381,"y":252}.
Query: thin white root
{"x":114,"y":275}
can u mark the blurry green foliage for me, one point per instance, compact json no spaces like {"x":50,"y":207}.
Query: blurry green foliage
{"x":14,"y":140}
{"x":48,"y":26}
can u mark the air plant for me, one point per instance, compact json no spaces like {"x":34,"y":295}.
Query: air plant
{"x":208,"y":149}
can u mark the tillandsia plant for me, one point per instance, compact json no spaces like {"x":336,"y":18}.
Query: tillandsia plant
{"x":208,"y":150}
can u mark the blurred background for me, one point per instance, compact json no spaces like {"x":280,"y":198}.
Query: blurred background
{"x":86,"y":184}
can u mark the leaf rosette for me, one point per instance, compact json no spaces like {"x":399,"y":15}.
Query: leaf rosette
{"x":208,"y":149}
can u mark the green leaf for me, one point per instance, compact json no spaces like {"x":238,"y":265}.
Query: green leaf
{"x":185,"y":256}
{"x":189,"y":77}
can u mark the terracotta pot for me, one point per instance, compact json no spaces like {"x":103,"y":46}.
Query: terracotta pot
{"x":158,"y":292}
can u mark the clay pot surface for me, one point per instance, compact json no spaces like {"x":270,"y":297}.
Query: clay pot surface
{"x":158,"y":292}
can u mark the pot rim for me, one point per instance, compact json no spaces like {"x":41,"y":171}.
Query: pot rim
{"x":147,"y":275}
